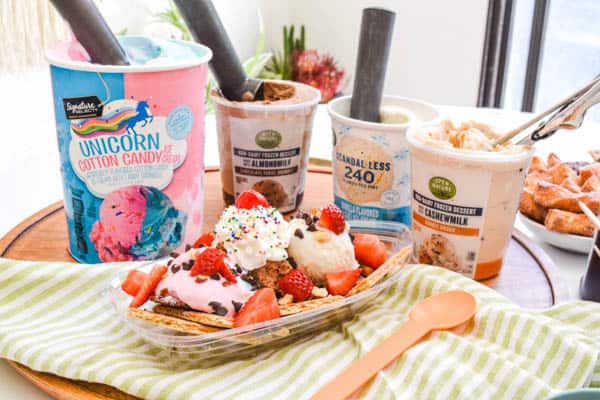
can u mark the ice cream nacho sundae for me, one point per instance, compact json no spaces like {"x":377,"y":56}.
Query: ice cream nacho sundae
{"x":255,"y":266}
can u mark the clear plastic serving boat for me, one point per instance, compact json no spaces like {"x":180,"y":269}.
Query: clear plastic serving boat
{"x":245,"y":341}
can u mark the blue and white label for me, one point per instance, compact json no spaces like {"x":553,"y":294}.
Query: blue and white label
{"x":179,"y":122}
{"x":371,"y":173}
{"x":359,"y":212}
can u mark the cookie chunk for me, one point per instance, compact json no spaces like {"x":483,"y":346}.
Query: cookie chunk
{"x":269,"y":274}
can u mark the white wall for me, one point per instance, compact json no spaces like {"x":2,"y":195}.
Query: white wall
{"x":435,"y":55}
{"x":436,"y":51}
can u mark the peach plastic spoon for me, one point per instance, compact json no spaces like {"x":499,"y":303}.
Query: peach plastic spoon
{"x":439,"y":312}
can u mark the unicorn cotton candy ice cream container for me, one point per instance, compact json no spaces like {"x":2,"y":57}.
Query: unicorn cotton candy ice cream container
{"x":131,"y":142}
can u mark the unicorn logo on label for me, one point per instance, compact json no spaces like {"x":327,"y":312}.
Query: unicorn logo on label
{"x":115,"y":120}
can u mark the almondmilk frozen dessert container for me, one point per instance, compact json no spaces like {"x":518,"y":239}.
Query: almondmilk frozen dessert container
{"x":465,"y":195}
{"x":131,"y":142}
{"x":263,"y":145}
{"x":370,"y":160}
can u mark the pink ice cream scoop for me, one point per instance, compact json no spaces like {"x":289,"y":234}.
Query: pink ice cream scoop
{"x":137,"y":222}
{"x":214,"y":295}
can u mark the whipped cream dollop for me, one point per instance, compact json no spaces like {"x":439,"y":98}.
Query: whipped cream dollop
{"x":251,"y":237}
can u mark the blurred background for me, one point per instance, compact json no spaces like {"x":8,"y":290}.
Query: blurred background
{"x":468,"y":53}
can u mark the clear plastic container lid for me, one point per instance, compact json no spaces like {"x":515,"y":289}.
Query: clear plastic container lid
{"x":215,"y":347}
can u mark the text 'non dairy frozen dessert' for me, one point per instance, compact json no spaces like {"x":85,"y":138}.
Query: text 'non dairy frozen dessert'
{"x":263,"y":145}
{"x":131,"y":142}
{"x":465,"y":194}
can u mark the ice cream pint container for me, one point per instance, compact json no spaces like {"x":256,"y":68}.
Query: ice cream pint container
{"x":263,"y":145}
{"x":464,"y":203}
{"x":370,"y":160}
{"x":131,"y":143}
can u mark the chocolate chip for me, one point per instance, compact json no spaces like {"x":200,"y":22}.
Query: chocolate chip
{"x":292,"y":262}
{"x":301,"y":215}
{"x":238,"y":269}
{"x":218,"y":308}
{"x":307,"y":219}
{"x":174,"y":254}
{"x":175,"y":268}
{"x":186,"y":266}
{"x":201,"y":278}
{"x":298,"y":233}
{"x":169,"y":262}
{"x":164,"y":292}
{"x":188,"y":247}
{"x":237,"y":306}
{"x":311,"y":228}
{"x":315,"y":218}
{"x":215,"y":276}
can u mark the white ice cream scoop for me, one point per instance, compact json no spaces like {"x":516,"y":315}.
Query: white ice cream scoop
{"x":393,"y":114}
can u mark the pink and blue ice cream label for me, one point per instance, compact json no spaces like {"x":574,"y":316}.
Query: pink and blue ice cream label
{"x":131,"y":148}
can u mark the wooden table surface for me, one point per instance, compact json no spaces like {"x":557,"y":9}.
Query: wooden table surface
{"x":528,"y":277}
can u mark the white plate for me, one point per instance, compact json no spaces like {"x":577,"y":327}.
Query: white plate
{"x":576,"y":243}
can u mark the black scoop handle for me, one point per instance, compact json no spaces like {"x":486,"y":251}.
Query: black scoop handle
{"x":376,"y":29}
{"x":92,"y":31}
{"x":206,"y":27}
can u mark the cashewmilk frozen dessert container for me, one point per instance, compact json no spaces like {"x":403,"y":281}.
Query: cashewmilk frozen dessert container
{"x":465,"y":196}
{"x":263,"y":145}
{"x":131,"y":142}
{"x":370,"y":160}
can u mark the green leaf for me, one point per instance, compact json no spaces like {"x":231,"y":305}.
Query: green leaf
{"x":172,"y":17}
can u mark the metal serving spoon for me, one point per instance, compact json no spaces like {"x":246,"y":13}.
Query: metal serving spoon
{"x":566,"y":114}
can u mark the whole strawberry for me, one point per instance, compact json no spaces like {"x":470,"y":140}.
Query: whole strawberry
{"x":333,"y":219}
{"x":296,"y":283}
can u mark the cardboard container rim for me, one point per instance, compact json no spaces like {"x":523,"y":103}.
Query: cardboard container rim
{"x":378,"y":125}
{"x":251,"y":106}
{"x":87,"y":66}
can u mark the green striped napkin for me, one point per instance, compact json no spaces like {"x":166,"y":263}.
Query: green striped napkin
{"x":54,"y":318}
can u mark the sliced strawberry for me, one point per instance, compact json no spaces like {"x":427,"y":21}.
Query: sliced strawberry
{"x":369,"y":250}
{"x":131,"y":285}
{"x":262,"y":306}
{"x":206,"y":240}
{"x":339,"y":283}
{"x":250,"y":199}
{"x":296,"y":283}
{"x":148,"y":286}
{"x":212,"y":261}
{"x":333,"y":219}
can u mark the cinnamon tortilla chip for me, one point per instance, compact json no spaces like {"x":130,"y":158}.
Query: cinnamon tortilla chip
{"x":203,"y":318}
{"x":294,"y":308}
{"x":170,"y":322}
{"x":397,"y":260}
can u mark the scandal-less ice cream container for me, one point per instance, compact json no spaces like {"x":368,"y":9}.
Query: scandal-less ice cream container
{"x":131,"y":142}
{"x":370,"y":161}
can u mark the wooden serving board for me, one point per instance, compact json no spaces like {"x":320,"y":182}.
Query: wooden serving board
{"x":528,"y":277}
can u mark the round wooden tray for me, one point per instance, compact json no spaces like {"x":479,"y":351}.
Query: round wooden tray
{"x":528,"y":277}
